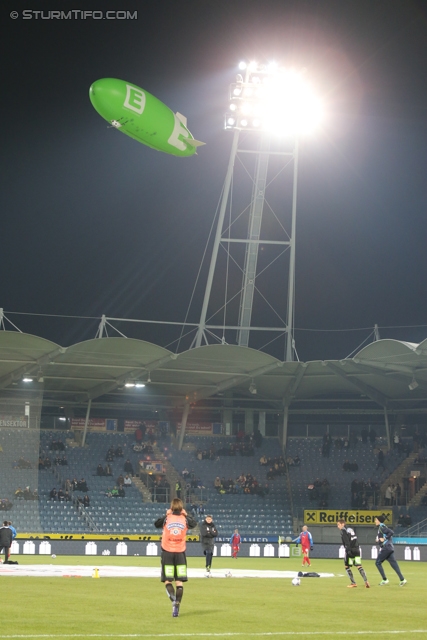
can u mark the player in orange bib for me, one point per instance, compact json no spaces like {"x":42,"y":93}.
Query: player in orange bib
{"x":175,"y":525}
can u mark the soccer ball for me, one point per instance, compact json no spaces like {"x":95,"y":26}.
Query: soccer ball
{"x":296,"y":582}
{"x":53,"y":556}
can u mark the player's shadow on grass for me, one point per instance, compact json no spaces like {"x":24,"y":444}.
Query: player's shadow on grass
{"x":203,"y":612}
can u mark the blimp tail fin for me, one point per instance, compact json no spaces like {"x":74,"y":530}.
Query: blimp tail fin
{"x":181,"y":118}
{"x":190,"y":141}
{"x":194,"y":143}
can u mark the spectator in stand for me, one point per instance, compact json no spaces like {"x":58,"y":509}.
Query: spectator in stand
{"x":19,"y":494}
{"x":100,"y":470}
{"x":61,"y":495}
{"x":67,"y":497}
{"x":353,"y":439}
{"x":119,"y":452}
{"x":86,"y":501}
{"x":127,"y":481}
{"x":120,"y":481}
{"x":82,"y":485}
{"x":108,"y":470}
{"x":53,"y":495}
{"x":128,"y":467}
{"x":380,"y":460}
{"x":185,"y":472}
{"x":217,"y":483}
{"x":121,"y":492}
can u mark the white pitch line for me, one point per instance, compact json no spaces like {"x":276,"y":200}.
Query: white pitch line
{"x":260,"y":634}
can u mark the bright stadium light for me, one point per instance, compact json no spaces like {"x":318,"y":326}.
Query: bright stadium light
{"x":282,"y":101}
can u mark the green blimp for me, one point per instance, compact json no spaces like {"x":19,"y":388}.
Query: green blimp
{"x":143,"y":117}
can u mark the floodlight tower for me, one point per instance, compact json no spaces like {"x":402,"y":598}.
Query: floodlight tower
{"x":272,"y":104}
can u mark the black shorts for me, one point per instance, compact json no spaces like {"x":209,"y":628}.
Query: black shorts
{"x":174,"y":566}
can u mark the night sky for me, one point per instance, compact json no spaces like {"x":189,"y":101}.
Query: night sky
{"x":94,"y":223}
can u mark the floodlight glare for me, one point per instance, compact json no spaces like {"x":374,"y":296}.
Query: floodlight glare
{"x":242,"y":65}
{"x":129,"y":385}
{"x":27,"y":379}
{"x":231,"y":121}
{"x":281,"y":99}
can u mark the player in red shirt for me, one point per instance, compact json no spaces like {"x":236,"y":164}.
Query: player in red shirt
{"x":306,"y":541}
{"x":235,"y":543}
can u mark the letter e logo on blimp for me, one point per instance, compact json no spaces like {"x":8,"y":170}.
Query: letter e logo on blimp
{"x":135,"y":99}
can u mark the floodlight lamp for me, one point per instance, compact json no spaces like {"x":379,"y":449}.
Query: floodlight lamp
{"x":244,"y":122}
{"x":253,"y":66}
{"x":62,"y":419}
{"x":413,"y":385}
{"x":237,"y":91}
{"x":233,"y":107}
{"x":27,"y":379}
{"x":246,"y":108}
{"x":139,"y":385}
{"x":231,"y":121}
{"x":242,"y":65}
{"x":129,"y":385}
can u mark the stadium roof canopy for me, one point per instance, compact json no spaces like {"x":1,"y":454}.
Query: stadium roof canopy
{"x":387,"y":374}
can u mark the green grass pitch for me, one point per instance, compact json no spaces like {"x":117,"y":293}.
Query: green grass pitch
{"x":218,"y":608}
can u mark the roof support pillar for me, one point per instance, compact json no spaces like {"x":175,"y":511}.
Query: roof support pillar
{"x":183,"y":425}
{"x":387,"y":428}
{"x":89,"y":404}
{"x":284,"y":434}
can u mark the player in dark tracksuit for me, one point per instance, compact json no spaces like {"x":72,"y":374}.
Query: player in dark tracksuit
{"x":208,"y":533}
{"x":352,"y":554}
{"x":6,"y":537}
{"x":385,"y":539}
